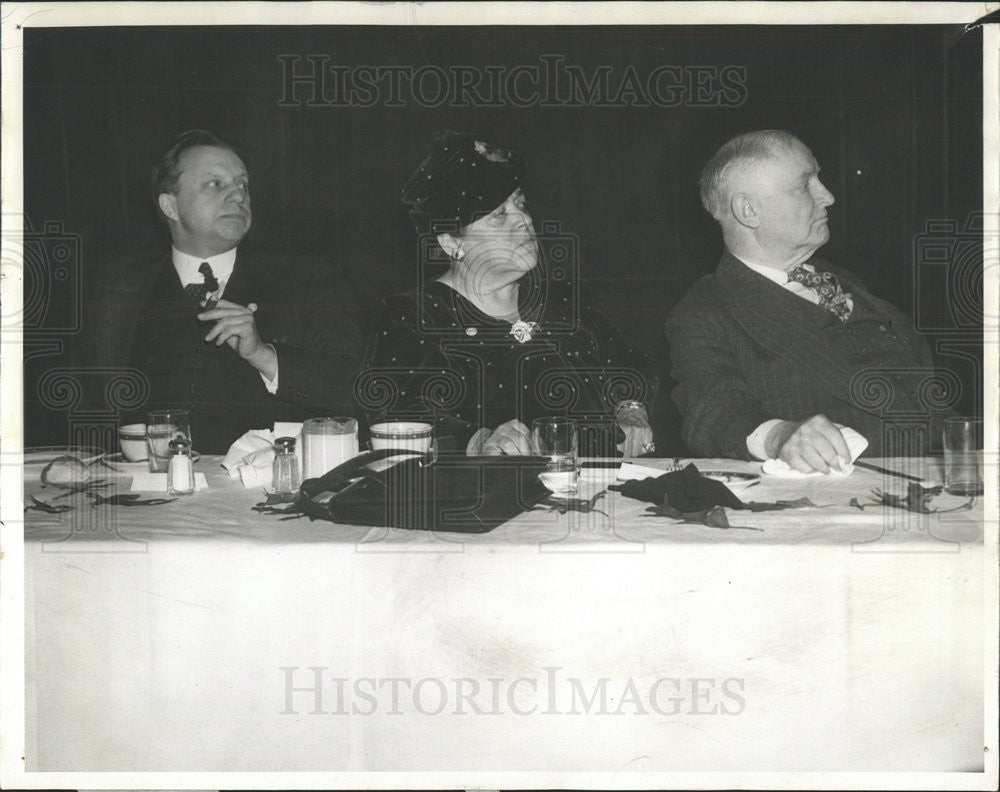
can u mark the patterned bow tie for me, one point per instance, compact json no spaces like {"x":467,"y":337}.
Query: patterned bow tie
{"x":198,"y":291}
{"x":826,"y":285}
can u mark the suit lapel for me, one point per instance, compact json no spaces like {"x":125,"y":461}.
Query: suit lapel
{"x":242,"y":286}
{"x":166,"y":286}
{"x":787,"y":325}
{"x":252,"y":282}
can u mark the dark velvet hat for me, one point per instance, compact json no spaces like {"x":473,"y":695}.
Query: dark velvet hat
{"x":463,"y":178}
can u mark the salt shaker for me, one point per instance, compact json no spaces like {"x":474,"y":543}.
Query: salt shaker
{"x":180,"y":471}
{"x":285,"y":475}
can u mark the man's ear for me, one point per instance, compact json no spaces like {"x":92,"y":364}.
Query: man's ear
{"x":743,"y":210}
{"x":168,"y":205}
{"x":450,"y":245}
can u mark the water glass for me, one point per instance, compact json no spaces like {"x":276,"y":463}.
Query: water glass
{"x":163,"y":426}
{"x":555,"y":438}
{"x":326,"y":443}
{"x":963,"y":456}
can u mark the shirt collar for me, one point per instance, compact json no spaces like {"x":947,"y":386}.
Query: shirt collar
{"x":187,"y":266}
{"x":779,"y":276}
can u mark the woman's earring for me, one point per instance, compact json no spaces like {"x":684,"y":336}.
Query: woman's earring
{"x":459,"y":254}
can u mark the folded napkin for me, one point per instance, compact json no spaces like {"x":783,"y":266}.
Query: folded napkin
{"x":856,"y":444}
{"x":251,"y":457}
{"x":686,"y":490}
{"x":690,"y":497}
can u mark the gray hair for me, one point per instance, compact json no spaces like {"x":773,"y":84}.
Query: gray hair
{"x":714,"y":183}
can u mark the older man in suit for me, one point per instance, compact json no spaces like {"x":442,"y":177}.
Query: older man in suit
{"x":777,"y":349}
{"x":240,"y":338}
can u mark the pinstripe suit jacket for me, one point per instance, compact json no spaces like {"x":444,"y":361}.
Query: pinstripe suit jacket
{"x":745,"y":350}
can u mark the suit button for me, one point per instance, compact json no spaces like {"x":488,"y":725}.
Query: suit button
{"x":882,"y":328}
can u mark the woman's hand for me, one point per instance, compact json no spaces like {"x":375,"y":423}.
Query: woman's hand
{"x":511,"y":438}
{"x":634,"y":421}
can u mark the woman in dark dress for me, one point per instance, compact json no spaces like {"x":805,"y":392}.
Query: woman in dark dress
{"x":490,"y":344}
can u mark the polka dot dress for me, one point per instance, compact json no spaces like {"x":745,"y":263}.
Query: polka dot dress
{"x":444,"y":359}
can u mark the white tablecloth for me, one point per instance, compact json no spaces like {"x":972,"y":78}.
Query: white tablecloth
{"x":200,"y":635}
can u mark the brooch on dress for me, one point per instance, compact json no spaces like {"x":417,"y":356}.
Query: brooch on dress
{"x":522,"y":330}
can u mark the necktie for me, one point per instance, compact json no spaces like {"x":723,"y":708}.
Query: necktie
{"x":826,"y":285}
{"x":198,"y":291}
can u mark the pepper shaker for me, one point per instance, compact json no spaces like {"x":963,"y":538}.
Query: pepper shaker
{"x":285,"y":471}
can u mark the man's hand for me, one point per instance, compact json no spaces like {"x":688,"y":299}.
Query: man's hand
{"x":235,"y":326}
{"x":634,"y":421}
{"x":511,"y":438}
{"x":810,"y":445}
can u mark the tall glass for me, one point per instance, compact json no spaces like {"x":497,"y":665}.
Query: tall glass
{"x":963,"y":456}
{"x":163,"y":426}
{"x":555,"y":438}
{"x":326,"y":443}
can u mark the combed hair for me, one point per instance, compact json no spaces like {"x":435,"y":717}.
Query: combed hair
{"x":166,"y":172}
{"x":714,"y":183}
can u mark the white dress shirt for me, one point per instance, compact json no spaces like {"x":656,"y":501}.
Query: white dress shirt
{"x":755,"y":440}
{"x":222,"y":265}
{"x":187,"y":268}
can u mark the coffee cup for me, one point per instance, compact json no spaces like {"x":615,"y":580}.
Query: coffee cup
{"x":408,"y":435}
{"x":132,"y":439}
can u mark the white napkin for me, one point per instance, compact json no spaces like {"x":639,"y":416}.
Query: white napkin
{"x":144,"y":481}
{"x":251,"y":457}
{"x":629,"y":471}
{"x":856,"y":444}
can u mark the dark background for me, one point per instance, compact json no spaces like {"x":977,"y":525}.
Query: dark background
{"x":893,"y":114}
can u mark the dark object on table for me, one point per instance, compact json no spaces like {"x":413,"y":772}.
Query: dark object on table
{"x":686,"y":490}
{"x":126,"y":499}
{"x":885,"y":471}
{"x":44,"y":506}
{"x":448,"y":493}
{"x":562,"y":505}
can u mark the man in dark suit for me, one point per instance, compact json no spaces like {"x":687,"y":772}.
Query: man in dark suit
{"x":239,"y":338}
{"x":777,"y":348}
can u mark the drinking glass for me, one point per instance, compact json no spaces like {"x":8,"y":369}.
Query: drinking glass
{"x":555,"y":438}
{"x":326,"y":443}
{"x":163,"y":426}
{"x":963,"y":456}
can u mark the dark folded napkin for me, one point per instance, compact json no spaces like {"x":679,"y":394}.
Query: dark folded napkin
{"x":685,"y":490}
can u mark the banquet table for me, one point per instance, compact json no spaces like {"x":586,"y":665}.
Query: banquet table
{"x":201,"y":635}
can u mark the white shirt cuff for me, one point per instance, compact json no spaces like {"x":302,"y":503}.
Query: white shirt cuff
{"x":271,"y":384}
{"x":755,"y":440}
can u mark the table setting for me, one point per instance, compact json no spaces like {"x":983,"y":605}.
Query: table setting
{"x":842,"y":611}
{"x":257,"y":484}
